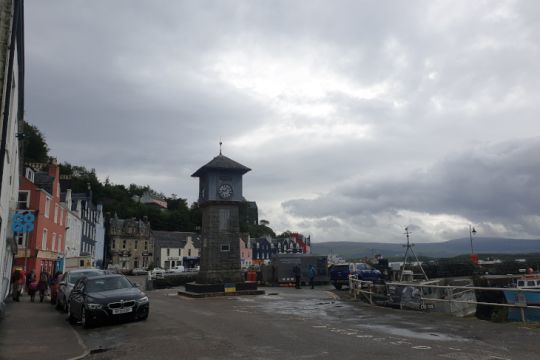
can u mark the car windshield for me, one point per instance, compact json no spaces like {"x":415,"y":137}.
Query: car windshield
{"x":107,"y":284}
{"x":73,"y":277}
{"x":362,"y":266}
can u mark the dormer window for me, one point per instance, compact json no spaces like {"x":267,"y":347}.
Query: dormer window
{"x":29,"y":174}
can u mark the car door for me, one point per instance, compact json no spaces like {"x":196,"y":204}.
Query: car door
{"x":76,"y":298}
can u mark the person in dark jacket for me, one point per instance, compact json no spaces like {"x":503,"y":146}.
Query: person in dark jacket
{"x":15,"y":278}
{"x":30,"y":277}
{"x":43,"y":285}
{"x":297,"y":274}
{"x":312,"y":274}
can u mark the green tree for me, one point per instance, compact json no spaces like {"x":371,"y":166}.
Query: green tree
{"x":35,"y":148}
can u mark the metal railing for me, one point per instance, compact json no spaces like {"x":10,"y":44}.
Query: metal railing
{"x":365,"y":289}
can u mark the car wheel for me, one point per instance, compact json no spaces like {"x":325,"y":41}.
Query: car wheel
{"x":143,"y":316}
{"x":72,"y":320}
{"x":86,"y":322}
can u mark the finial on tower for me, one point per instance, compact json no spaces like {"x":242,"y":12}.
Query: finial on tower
{"x":220,"y":143}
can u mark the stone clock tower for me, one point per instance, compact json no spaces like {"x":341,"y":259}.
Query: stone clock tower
{"x":220,"y":194}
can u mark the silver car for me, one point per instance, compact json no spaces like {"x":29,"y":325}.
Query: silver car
{"x":67,"y":283}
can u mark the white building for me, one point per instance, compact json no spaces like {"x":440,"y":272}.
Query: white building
{"x":100,"y":238}
{"x":72,"y":249}
{"x":172,"y":247}
{"x":12,"y":105}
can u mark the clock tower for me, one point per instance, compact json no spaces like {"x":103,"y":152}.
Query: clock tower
{"x":220,"y":194}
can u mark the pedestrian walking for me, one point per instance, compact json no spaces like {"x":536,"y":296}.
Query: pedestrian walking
{"x":30,"y":278}
{"x":297,"y":274}
{"x":32,"y":289}
{"x":43,"y":285}
{"x":15,"y":279}
{"x":312,"y":274}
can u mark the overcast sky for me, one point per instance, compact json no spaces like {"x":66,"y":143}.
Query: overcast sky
{"x":357,"y":118}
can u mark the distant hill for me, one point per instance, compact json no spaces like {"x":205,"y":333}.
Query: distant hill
{"x":351,"y":250}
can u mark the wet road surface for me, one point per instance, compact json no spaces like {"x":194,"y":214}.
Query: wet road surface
{"x":286,"y":323}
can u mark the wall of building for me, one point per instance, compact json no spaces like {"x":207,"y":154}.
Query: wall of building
{"x":46,"y":243}
{"x":12,"y":95}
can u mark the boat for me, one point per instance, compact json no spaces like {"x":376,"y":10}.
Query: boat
{"x":425,"y":295}
{"x":515,"y":296}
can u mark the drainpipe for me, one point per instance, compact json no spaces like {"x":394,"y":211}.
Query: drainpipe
{"x":9,"y":81}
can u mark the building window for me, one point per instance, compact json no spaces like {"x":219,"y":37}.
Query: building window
{"x":123,"y":244}
{"x":81,"y":263}
{"x":56,"y":214}
{"x":225,"y":247}
{"x":60,"y":243}
{"x":53,"y":247}
{"x":189,"y":252}
{"x":135,"y":263}
{"x":47,"y":206}
{"x":44,"y":240}
{"x":21,"y":239}
{"x":24,"y":200}
{"x":136,"y":242}
{"x":114,"y":244}
{"x":61,"y":217}
{"x":168,"y":252}
{"x":146,"y":245}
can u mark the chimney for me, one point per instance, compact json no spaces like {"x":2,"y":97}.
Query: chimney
{"x":68,"y":199}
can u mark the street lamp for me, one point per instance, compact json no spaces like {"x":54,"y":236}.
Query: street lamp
{"x":472,"y":231}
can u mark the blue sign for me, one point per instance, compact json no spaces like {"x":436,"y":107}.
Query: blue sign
{"x":23,"y":222}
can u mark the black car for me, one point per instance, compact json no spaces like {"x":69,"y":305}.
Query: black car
{"x":106,"y":297}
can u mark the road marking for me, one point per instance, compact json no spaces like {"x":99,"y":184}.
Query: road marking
{"x":319,"y":326}
{"x":83,"y":345}
{"x":421,"y":347}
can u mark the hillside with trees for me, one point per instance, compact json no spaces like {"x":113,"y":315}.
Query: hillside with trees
{"x":118,"y":199}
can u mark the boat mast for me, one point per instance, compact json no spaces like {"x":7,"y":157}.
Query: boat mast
{"x":409,"y":247}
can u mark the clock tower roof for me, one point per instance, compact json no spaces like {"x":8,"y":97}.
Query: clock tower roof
{"x":222,"y":162}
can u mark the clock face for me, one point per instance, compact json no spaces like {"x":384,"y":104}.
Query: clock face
{"x":225,"y":191}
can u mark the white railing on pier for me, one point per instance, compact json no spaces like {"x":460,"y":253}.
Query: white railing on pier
{"x":365,"y":289}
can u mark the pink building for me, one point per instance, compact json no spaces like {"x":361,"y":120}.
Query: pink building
{"x":246,"y":253}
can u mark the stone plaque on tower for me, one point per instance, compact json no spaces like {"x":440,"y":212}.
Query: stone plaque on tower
{"x":220,"y":194}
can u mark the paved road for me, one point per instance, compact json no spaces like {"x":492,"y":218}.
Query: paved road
{"x":285,"y":323}
{"x":301,"y":324}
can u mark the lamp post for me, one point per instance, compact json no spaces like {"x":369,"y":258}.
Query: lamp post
{"x":472,"y":231}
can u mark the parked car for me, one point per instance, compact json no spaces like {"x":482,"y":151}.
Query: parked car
{"x":177,"y":269}
{"x":106,"y":297}
{"x":68,"y":281}
{"x":339,"y":275}
{"x":365,"y":272}
{"x":157,"y":273}
{"x":139,"y":271}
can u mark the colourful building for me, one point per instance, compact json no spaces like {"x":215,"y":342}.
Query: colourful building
{"x":246,"y":252}
{"x":43,"y":247}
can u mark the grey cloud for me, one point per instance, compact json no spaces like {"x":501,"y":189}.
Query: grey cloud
{"x":498,"y":183}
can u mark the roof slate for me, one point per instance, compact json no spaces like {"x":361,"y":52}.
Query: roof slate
{"x":221,"y":162}
{"x":173,"y":239}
